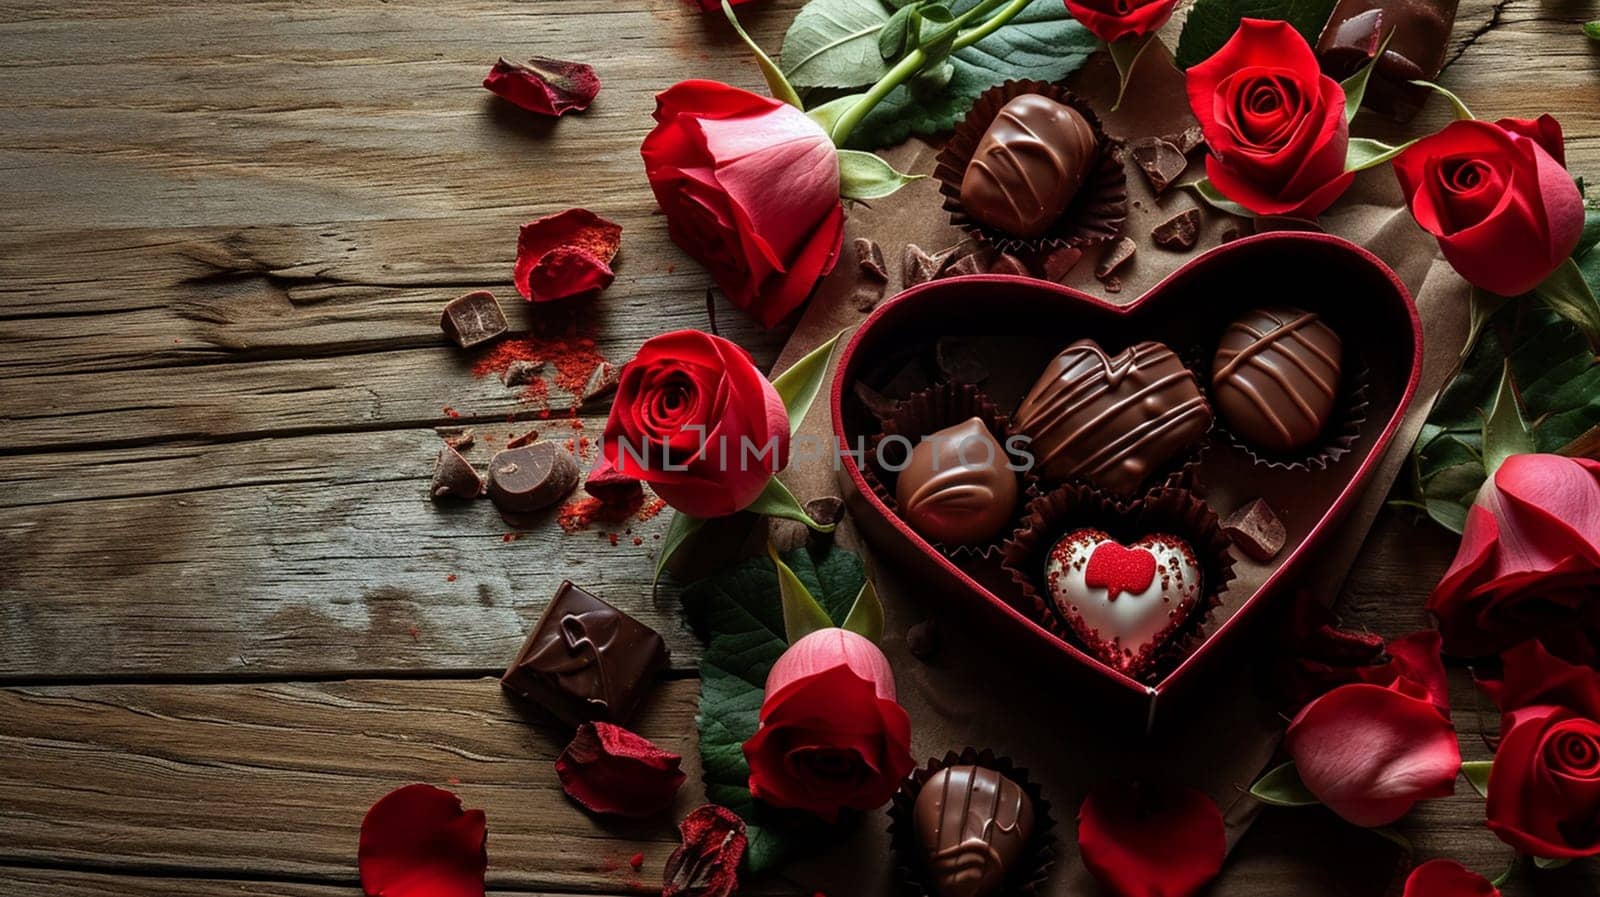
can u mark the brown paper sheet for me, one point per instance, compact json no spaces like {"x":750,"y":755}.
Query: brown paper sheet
{"x":968,"y":694}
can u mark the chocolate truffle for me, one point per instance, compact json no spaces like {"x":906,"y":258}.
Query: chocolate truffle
{"x":973,"y":824}
{"x":1111,"y":420}
{"x":1124,"y":602}
{"x":1419,"y":36}
{"x":957,"y":487}
{"x":532,"y":477}
{"x":586,"y":660}
{"x":1276,"y":377}
{"x":1028,"y":166}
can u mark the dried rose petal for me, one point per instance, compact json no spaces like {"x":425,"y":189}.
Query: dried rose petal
{"x":608,"y":769}
{"x":707,"y":863}
{"x":418,"y":842}
{"x":545,"y":86}
{"x":565,"y":254}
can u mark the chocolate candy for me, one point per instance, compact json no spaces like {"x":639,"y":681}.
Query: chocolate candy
{"x":1276,"y":377}
{"x":1256,"y":529}
{"x":957,"y":487}
{"x":531,"y":477}
{"x":1418,"y":33}
{"x":586,"y":660}
{"x":1111,"y":420}
{"x":473,"y":319}
{"x":453,"y":475}
{"x":1124,"y":602}
{"x":973,"y":824}
{"x":1028,"y":166}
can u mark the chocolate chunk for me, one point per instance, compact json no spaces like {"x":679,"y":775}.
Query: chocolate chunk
{"x":922,"y":639}
{"x":473,"y":319}
{"x":1256,"y":530}
{"x":458,"y":438}
{"x":973,"y":825}
{"x":1060,"y":262}
{"x":612,"y":486}
{"x":1275,"y":377}
{"x":1111,"y":419}
{"x":967,"y":264}
{"x":920,"y":267}
{"x":1180,"y":232}
{"x":586,"y":660}
{"x":1116,"y":255}
{"x":454,"y":476}
{"x":531,"y":478}
{"x":959,"y":361}
{"x":1161,"y":162}
{"x":527,"y":438}
{"x":1028,"y":166}
{"x":521,"y":373}
{"x":825,"y":511}
{"x":882,"y":406}
{"x":869,"y":257}
{"x":602,"y":381}
{"x":1418,"y":32}
{"x":1188,"y":140}
{"x":1006,"y":263}
{"x":958,"y":489}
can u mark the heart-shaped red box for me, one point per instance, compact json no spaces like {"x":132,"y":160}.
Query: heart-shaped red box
{"x":1019,"y":323}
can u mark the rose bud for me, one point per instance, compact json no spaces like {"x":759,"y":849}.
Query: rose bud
{"x":1275,"y":124}
{"x":1544,"y":787}
{"x":1529,"y":562}
{"x":831,"y":734}
{"x":750,"y":188}
{"x":1447,"y":878}
{"x":1113,"y":20}
{"x":608,"y":769}
{"x":1497,"y":196}
{"x":706,"y":864}
{"x":417,"y":842}
{"x":694,"y":418}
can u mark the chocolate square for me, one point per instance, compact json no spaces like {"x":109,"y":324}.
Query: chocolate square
{"x":586,"y":660}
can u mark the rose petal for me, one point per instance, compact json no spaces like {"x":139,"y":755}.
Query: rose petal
{"x":1151,"y":842}
{"x":1447,"y":878}
{"x":417,"y":842}
{"x":545,"y":86}
{"x":565,"y":254}
{"x":1415,"y":658}
{"x":706,"y":863}
{"x":608,"y":769}
{"x":1534,"y":677}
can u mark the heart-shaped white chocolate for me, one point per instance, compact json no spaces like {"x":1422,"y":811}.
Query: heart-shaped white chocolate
{"x":1124,"y":602}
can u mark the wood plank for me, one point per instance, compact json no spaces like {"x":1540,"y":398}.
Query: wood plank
{"x":43,"y":882}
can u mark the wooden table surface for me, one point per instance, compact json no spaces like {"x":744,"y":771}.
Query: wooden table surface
{"x":231,"y":619}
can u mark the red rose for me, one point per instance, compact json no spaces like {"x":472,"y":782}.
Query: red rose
{"x":608,"y":769}
{"x":694,"y":418}
{"x":418,"y":842}
{"x":750,"y":187}
{"x":1497,"y":196}
{"x":1121,"y":830}
{"x":1113,"y":20}
{"x":1447,"y":878}
{"x":1529,"y":562}
{"x":1275,"y":124}
{"x":831,"y":734}
{"x":1370,"y":751}
{"x":1544,"y":787}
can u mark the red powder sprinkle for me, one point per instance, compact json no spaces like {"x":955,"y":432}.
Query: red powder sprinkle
{"x":511,"y":537}
{"x":450,"y":578}
{"x":638,"y":540}
{"x":453,"y":780}
{"x":567,"y":346}
{"x":415,"y":632}
{"x":636,"y":861}
{"x":650,"y":509}
{"x":612,"y":537}
{"x":451,"y":412}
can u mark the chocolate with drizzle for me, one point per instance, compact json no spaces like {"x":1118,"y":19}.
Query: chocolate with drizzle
{"x":1276,"y":377}
{"x":1111,"y":420}
{"x":973,"y":824}
{"x":1029,"y":165}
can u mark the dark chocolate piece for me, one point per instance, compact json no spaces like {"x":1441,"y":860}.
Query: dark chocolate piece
{"x":1256,"y":530}
{"x":586,"y":660}
{"x":602,"y":381}
{"x":1029,"y":165}
{"x":1116,"y":255}
{"x":458,"y":438}
{"x":827,"y":510}
{"x":473,"y":319}
{"x":528,"y":438}
{"x":959,"y":361}
{"x":920,"y":267}
{"x":1276,"y":376}
{"x":1161,"y":162}
{"x":531,"y":478}
{"x":1111,"y":420}
{"x":1178,"y":233}
{"x":1060,"y":262}
{"x":973,"y":824}
{"x":869,"y":258}
{"x":1188,"y":140}
{"x":1006,"y":263}
{"x":957,"y":488}
{"x":967,"y":264}
{"x":454,"y":476}
{"x":1418,"y":32}
{"x":521,"y":373}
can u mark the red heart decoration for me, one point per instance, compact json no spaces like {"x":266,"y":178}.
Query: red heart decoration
{"x":1028,"y":320}
{"x":1119,"y":569}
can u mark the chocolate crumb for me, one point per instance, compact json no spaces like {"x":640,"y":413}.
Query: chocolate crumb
{"x":1256,"y":529}
{"x":522,"y":373}
{"x":602,"y":381}
{"x":922,"y":639}
{"x":869,"y":257}
{"x":918,"y":266}
{"x":473,"y":319}
{"x":525,"y":439}
{"x":1188,"y":140}
{"x":1060,"y":262}
{"x":1006,"y":263}
{"x":1180,"y":232}
{"x":959,"y":361}
{"x":1112,"y":284}
{"x":1116,"y":255}
{"x":1161,"y":162}
{"x":826,"y":511}
{"x":454,"y":476}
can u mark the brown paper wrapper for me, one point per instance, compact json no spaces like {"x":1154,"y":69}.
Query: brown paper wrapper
{"x":1032,"y":869}
{"x":1339,"y":436}
{"x":1095,"y":215}
{"x":1176,"y":512}
{"x":924,"y":413}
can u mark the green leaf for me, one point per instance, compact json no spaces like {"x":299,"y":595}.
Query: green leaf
{"x":1591,"y":234}
{"x":779,"y":86}
{"x":892,"y":36}
{"x":1546,"y":863}
{"x":1505,"y":433}
{"x":1125,"y":54}
{"x":834,"y":43}
{"x":1365,"y":153}
{"x":1568,"y":293}
{"x":1355,"y":86}
{"x":866,"y":615}
{"x":864,"y":176}
{"x":802,"y":615}
{"x":777,"y":501}
{"x":1477,"y":775}
{"x":1461,"y":111}
{"x":1213,"y":197}
{"x":1042,"y":43}
{"x":1593,"y":30}
{"x":1281,"y":787}
{"x":738,"y":611}
{"x":798,"y":385}
{"x":1213,"y":22}
{"x":679,"y":530}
